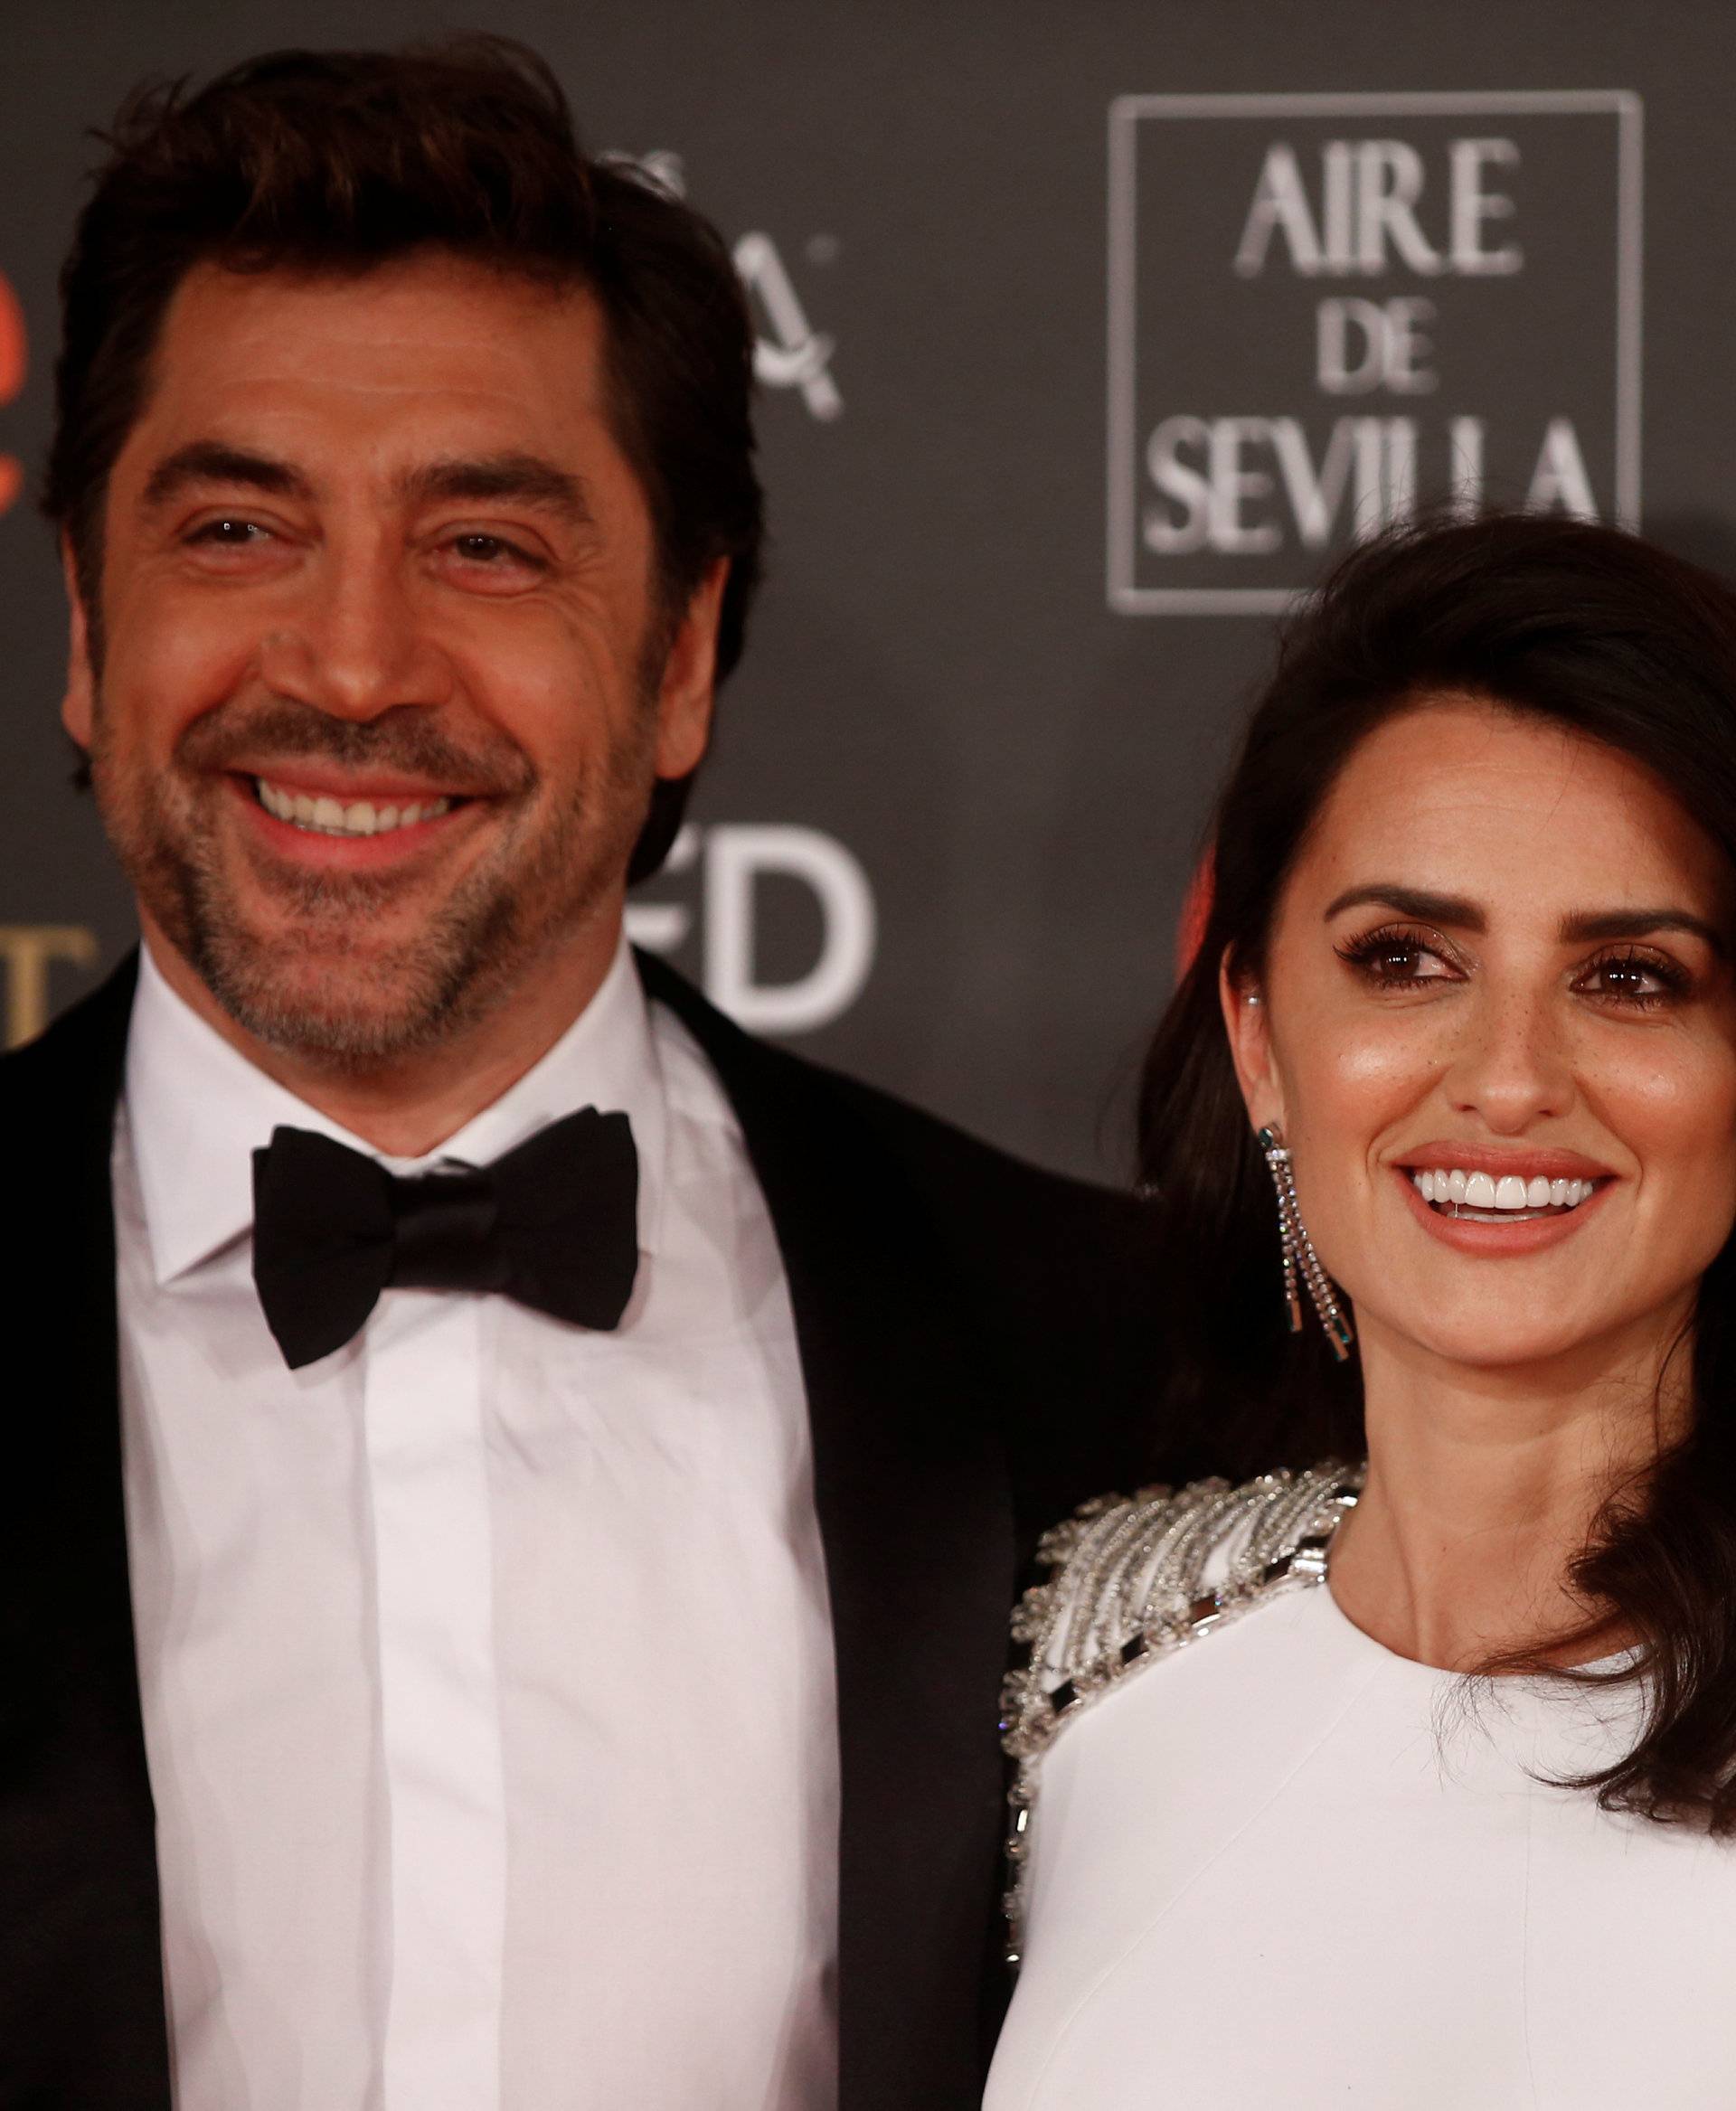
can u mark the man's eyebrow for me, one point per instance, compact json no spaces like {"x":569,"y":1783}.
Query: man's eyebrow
{"x":1591,"y":925}
{"x":525,"y":479}
{"x":1412,"y":901}
{"x":210,"y":461}
{"x":528,"y":479}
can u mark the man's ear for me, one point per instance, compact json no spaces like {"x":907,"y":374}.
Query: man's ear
{"x":79,"y":704}
{"x":686,"y":692}
{"x":1249,"y":1026}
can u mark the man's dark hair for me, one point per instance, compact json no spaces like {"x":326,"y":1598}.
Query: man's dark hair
{"x":335,"y":161}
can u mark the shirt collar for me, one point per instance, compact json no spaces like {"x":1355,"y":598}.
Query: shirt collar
{"x":197,"y":1109}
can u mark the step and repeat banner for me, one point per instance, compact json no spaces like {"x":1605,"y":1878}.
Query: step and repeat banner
{"x":1087,"y":335}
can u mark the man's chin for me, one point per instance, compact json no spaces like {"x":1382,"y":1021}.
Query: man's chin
{"x":356,"y":970}
{"x":348,"y":1005}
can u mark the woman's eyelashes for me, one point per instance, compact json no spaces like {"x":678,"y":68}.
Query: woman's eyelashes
{"x":1635,"y":979}
{"x":1395,"y":958}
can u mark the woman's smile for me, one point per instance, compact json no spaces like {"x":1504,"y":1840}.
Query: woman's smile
{"x":1499,"y":1215}
{"x":1490,"y":1199}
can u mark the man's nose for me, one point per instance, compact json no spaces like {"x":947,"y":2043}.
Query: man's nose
{"x":1512,"y":1064}
{"x":355,"y":644}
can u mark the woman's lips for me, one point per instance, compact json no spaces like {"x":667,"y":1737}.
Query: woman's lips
{"x":1525,"y":1160}
{"x":1523,"y":1234}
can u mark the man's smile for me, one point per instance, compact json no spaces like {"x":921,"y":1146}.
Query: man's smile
{"x":326,"y":816}
{"x":330,"y":821}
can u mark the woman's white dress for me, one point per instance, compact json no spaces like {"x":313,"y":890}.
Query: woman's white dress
{"x":1281,"y":1867}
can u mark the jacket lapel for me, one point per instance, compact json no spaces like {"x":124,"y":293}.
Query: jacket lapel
{"x":81,"y":2009}
{"x":911,"y":1489}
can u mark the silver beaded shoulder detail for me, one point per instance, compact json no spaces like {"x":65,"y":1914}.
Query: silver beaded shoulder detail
{"x":1131,"y":1583}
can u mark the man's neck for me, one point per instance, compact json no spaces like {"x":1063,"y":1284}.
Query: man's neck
{"x":409,"y":1105}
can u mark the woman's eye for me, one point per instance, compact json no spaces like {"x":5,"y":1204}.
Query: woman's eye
{"x":1401,"y":963}
{"x":1393,"y":961}
{"x":1631,"y":978}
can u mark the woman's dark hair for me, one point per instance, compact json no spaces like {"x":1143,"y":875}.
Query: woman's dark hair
{"x":337,"y":162}
{"x":1601,"y":632}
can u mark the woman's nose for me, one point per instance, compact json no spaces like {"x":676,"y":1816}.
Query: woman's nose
{"x":1511,"y":1065}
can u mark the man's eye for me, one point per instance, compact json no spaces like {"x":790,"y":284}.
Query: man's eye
{"x":229,"y":533}
{"x":489,"y":563}
{"x":488,"y":549}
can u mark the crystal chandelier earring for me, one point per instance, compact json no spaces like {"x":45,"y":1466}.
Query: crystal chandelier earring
{"x":1299,"y":1256}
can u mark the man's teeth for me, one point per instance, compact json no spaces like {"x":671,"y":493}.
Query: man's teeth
{"x":327,"y":816}
{"x":1487,"y":1190}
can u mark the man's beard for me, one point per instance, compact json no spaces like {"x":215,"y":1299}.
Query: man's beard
{"x":315,"y":986}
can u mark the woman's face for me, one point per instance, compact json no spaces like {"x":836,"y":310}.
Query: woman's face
{"x":1499,"y":964}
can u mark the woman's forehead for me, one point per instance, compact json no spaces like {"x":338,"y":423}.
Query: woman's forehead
{"x":1461,"y":796}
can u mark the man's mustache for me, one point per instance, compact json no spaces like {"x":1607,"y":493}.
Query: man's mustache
{"x":404,"y":740}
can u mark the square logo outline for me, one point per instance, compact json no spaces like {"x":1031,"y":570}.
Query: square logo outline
{"x":1126,"y":112}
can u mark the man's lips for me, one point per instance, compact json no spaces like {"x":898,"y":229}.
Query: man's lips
{"x":345,"y":828}
{"x":321,"y":778}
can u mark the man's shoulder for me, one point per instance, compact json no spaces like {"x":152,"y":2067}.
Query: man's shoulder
{"x":71,"y":1071}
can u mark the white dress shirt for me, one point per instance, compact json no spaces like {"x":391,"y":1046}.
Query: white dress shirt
{"x":486,"y":1663}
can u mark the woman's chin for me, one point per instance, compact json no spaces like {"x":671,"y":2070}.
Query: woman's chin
{"x":1477,"y":1338}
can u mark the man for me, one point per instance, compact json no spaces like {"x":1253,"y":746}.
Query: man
{"x":505,"y":1573}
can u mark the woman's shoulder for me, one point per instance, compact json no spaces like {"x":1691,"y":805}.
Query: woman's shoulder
{"x":1134,"y":1578}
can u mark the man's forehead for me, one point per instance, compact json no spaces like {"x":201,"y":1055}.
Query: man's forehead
{"x":430,"y":273}
{"x":432,"y":323}
{"x":431,"y":356}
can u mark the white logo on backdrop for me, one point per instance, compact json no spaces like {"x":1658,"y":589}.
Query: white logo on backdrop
{"x":729,"y":861}
{"x":726,"y":859}
{"x":795,"y":357}
{"x":1222,"y":506}
{"x":788,"y":352}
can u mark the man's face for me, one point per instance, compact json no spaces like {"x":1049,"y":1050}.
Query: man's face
{"x":382,"y":693}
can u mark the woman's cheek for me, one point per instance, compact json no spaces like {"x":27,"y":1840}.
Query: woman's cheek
{"x":1676,"y":1112}
{"x":1353,"y":1076}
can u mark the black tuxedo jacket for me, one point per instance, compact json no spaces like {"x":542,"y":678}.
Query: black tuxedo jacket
{"x":981,"y":1345}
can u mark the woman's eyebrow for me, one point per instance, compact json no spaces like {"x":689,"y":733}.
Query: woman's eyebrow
{"x":1637,"y":923}
{"x":1585,"y":926}
{"x":1412,"y":901}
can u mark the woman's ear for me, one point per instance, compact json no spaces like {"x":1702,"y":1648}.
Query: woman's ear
{"x":1249,"y":1026}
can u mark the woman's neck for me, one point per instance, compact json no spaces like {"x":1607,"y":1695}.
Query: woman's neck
{"x":1484,"y":1483}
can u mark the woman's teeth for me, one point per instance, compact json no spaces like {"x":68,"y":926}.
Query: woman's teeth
{"x":327,"y":816}
{"x":1477,"y":1193}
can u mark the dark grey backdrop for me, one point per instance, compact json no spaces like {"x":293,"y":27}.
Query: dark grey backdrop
{"x":985,"y":721}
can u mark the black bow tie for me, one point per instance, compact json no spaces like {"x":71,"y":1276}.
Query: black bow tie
{"x":553,"y":1224}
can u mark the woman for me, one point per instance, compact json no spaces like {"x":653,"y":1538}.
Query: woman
{"x":1450,"y":1085}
